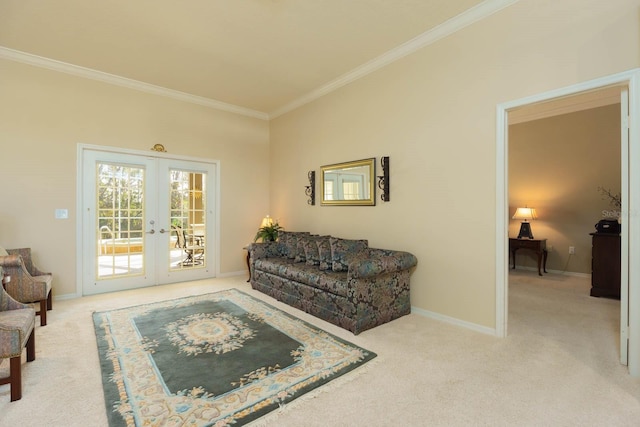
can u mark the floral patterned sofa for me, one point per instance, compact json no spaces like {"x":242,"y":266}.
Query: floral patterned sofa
{"x":339,"y":280}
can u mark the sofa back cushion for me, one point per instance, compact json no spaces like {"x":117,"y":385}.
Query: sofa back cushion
{"x":300,"y":255}
{"x":324,"y":253}
{"x":288,"y":241}
{"x":310,"y":247}
{"x":342,"y":250}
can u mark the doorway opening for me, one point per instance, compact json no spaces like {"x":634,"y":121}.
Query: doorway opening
{"x":146,"y":219}
{"x":630,"y":166}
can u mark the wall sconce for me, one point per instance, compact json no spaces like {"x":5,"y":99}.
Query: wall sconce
{"x":383,"y":180}
{"x":310,"y":190}
{"x":525,"y":228}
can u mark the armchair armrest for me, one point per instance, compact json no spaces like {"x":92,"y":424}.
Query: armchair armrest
{"x":35,"y":271}
{"x":10,"y":261}
{"x":8,"y":303}
{"x":14,"y":266}
{"x":373,"y":262}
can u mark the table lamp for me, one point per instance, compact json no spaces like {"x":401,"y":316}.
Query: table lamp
{"x":267,"y":221}
{"x":525,"y":214}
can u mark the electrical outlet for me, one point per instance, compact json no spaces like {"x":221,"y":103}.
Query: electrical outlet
{"x":549,"y":248}
{"x":572,"y":250}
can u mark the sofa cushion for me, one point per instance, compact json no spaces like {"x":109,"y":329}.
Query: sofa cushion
{"x":329,"y":281}
{"x":300,"y":255}
{"x":324,"y":253}
{"x":342,"y":250}
{"x":289,"y":242}
{"x":303,"y":241}
{"x":311,"y":252}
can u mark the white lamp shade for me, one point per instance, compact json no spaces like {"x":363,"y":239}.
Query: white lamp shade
{"x":525,"y":214}
{"x":266,"y":222}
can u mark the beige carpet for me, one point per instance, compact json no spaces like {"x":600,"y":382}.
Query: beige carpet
{"x":558,"y":366}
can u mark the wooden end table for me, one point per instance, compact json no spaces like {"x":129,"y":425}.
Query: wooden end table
{"x":539,"y":246}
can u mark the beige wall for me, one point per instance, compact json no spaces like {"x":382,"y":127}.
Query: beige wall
{"x":433,"y":113}
{"x":45,"y":114}
{"x":556,"y":165}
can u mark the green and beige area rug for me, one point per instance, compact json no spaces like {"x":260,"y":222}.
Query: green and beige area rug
{"x":219,"y":359}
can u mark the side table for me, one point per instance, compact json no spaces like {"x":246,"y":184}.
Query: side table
{"x":539,"y":246}
{"x":246,"y":248}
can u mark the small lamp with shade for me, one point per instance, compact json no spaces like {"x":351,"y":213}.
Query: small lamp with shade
{"x":268,"y":231}
{"x":525,"y":214}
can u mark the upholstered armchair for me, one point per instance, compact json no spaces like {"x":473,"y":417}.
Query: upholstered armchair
{"x":28,"y":284}
{"x":17,"y":331}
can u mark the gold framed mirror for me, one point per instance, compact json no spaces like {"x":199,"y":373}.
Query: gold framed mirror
{"x":349,"y":183}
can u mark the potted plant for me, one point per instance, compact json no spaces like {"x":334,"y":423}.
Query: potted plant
{"x":268,"y":233}
{"x":615,"y":201}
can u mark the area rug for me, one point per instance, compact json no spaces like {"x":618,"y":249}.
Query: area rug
{"x":219,"y":359}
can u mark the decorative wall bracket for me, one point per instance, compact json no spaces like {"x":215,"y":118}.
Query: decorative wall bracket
{"x":383,"y":180}
{"x":310,"y":190}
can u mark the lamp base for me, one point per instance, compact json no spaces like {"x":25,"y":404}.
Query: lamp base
{"x":525,"y":231}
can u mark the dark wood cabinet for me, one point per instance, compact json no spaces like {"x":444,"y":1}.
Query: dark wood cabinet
{"x":605,"y":265}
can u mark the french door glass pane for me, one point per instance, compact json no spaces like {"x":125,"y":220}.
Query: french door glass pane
{"x":187,"y":217}
{"x":120,"y":208}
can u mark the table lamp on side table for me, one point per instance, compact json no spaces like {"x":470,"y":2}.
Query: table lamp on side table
{"x":525,"y":214}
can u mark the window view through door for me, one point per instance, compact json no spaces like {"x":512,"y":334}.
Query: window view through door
{"x":120,"y":220}
{"x":188,"y":208}
{"x":121,"y":235}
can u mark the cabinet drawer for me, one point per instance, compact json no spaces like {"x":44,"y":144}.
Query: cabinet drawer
{"x":526,"y":244}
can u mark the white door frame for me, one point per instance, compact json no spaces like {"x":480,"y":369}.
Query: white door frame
{"x":82,"y":148}
{"x":631,"y":79}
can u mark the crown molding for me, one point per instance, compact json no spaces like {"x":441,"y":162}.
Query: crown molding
{"x":443,"y":30}
{"x":566,"y":105}
{"x":64,"y":67}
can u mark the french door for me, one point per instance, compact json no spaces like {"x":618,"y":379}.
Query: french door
{"x":147,"y":220}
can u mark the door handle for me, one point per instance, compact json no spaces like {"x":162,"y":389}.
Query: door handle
{"x":162,"y":230}
{"x":151,"y":232}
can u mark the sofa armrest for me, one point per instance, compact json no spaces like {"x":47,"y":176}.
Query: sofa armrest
{"x":373,"y":262}
{"x":263,"y":250}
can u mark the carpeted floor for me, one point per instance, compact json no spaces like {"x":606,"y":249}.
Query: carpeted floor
{"x":558,"y":366}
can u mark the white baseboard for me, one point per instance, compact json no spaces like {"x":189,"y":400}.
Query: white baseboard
{"x":234,"y":273}
{"x":453,"y":321}
{"x":564,"y":273}
{"x":65,"y":297}
{"x":221,"y":275}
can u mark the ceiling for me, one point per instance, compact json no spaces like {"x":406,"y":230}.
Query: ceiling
{"x":261,"y":56}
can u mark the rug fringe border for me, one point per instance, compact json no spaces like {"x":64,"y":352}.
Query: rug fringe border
{"x":274,"y":415}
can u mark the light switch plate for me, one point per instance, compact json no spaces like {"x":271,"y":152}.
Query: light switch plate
{"x":62,"y":213}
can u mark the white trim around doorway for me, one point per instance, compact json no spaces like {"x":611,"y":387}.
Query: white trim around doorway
{"x":631,"y":79}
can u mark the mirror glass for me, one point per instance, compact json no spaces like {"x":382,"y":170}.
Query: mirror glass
{"x":349,"y":184}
